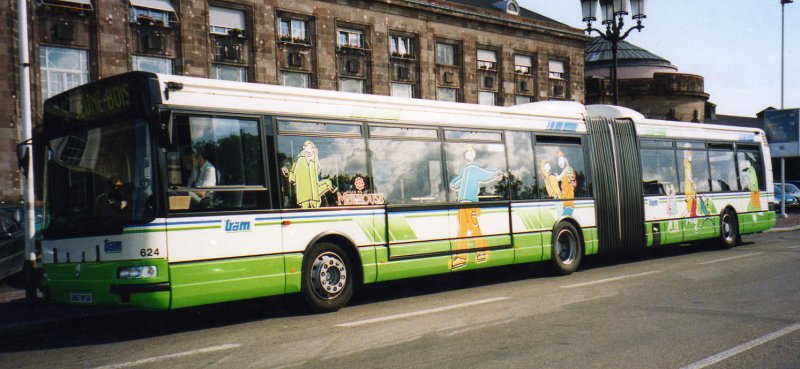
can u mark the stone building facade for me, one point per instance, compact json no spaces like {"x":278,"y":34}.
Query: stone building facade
{"x":648,"y":83}
{"x":473,"y":51}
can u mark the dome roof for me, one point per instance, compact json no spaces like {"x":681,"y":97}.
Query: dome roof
{"x":598,"y":55}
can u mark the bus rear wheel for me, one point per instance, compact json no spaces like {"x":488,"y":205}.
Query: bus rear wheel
{"x":327,"y":283}
{"x":728,"y":229}
{"x":566,"y":248}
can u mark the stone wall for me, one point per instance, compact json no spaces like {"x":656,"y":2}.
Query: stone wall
{"x":111,"y":39}
{"x":668,"y":96}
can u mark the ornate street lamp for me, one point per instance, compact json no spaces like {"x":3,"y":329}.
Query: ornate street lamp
{"x":613,"y":12}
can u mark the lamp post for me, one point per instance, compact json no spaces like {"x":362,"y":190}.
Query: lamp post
{"x":783,"y":160}
{"x":613,"y":12}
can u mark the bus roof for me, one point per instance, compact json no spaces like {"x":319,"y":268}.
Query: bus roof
{"x":253,"y":98}
{"x":678,"y":130}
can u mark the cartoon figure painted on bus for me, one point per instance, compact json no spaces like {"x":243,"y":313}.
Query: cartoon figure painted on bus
{"x":561,"y":186}
{"x":751,"y":183}
{"x":672,"y":207}
{"x":688,"y":185}
{"x":304,"y":174}
{"x":568,"y":184}
{"x":467,"y":186}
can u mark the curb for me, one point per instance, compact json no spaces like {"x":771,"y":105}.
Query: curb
{"x":785,"y":229}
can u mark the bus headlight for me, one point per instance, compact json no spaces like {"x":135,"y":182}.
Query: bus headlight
{"x":135,"y":272}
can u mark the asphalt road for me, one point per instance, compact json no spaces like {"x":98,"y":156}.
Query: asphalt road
{"x":679,"y":307}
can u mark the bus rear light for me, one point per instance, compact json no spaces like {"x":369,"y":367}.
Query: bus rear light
{"x":136,"y":272}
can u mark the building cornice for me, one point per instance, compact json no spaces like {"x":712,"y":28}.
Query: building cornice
{"x":472,"y":13}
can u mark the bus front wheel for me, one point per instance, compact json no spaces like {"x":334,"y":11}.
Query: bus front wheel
{"x":328,"y":277}
{"x":566,"y":249}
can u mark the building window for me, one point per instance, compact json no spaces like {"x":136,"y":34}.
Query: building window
{"x":153,"y":65}
{"x":486,"y":98}
{"x":556,"y":68}
{"x":523,"y":64}
{"x":293,"y":79}
{"x":351,"y":38}
{"x":446,"y":94}
{"x":521,"y":99}
{"x":62,"y":69}
{"x":293,"y":30}
{"x":487,"y":59}
{"x":152,"y":12}
{"x":228,"y":73}
{"x":223,"y":21}
{"x":403,"y":90}
{"x":401,"y":46}
{"x":445,"y":54}
{"x":351,"y":85}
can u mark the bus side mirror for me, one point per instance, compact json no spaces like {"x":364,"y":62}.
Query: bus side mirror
{"x":23,"y":157}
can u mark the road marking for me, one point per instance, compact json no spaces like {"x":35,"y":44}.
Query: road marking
{"x":730,"y":258}
{"x":420,"y":312}
{"x":711,"y":360}
{"x":171,"y":356}
{"x":611,"y":279}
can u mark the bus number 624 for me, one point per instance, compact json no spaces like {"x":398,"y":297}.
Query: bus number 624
{"x":148,"y":252}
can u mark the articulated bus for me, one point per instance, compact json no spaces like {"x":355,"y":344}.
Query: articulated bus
{"x":164,"y":192}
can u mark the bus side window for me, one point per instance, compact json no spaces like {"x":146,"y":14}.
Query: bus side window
{"x":521,"y":179}
{"x":659,"y":170}
{"x":723,"y":168}
{"x":561,"y":168}
{"x":324,"y":171}
{"x":476,"y":171}
{"x":216,"y":162}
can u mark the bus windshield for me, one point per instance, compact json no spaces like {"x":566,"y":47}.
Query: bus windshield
{"x":98,"y":180}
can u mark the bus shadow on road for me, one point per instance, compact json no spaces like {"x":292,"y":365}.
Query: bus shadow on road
{"x":112,"y":326}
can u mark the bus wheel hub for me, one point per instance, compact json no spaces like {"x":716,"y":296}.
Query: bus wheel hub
{"x":328,"y":275}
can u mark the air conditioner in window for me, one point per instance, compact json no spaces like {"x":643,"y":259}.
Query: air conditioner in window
{"x":524,"y":87}
{"x":403,"y":72}
{"x":448,"y":77}
{"x":154,"y":41}
{"x":63,"y":31}
{"x":353,"y":66}
{"x":558,"y":90}
{"x":231,"y":52}
{"x":488,"y":82}
{"x":296,"y":60}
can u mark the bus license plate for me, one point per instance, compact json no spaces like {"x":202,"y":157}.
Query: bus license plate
{"x":81,"y":298}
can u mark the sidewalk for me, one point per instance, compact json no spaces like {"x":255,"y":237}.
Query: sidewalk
{"x":18,"y":316}
{"x":790,"y":223}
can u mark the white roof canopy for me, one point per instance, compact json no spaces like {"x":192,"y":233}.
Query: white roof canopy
{"x":556,"y":66}
{"x":226,"y":18}
{"x":80,"y":4}
{"x":487,"y":55}
{"x":523,"y":61}
{"x":164,"y":5}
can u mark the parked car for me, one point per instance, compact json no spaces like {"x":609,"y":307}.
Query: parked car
{"x":791,"y":189}
{"x":18,"y":213}
{"x":791,"y":201}
{"x":12,"y":246}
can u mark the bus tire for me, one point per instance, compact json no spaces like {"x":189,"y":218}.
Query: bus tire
{"x":728,"y":229}
{"x":566,"y":248}
{"x":328,"y":277}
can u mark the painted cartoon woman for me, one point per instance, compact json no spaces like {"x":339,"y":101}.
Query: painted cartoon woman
{"x":688,"y":184}
{"x":304,"y":174}
{"x":568,"y":183}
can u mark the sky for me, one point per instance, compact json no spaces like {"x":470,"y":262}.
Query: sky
{"x":734,"y":44}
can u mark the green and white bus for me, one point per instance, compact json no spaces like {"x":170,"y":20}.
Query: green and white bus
{"x":164,"y":192}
